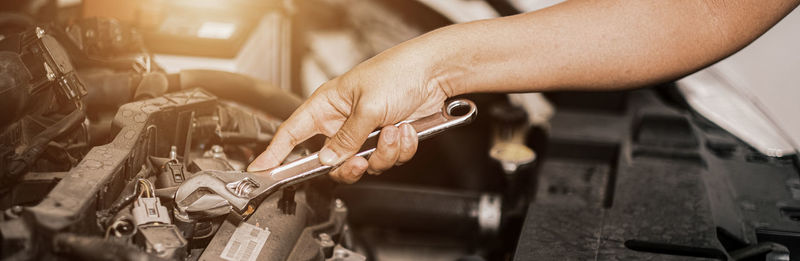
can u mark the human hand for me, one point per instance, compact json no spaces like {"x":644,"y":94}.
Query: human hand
{"x":391,"y":87}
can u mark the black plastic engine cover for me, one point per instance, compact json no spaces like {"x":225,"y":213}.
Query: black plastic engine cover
{"x":639,"y":179}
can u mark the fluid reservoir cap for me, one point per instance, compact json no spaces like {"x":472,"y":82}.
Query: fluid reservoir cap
{"x":512,"y":155}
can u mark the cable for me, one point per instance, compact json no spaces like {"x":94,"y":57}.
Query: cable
{"x":20,"y":163}
{"x":105,"y":216}
{"x":141,"y":187}
{"x":152,"y":188}
{"x":148,"y":189}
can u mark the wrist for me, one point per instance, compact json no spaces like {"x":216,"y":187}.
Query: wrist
{"x":442,"y":69}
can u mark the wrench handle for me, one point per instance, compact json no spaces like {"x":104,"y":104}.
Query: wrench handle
{"x":454,"y":113}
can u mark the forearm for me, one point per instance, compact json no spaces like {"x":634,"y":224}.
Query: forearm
{"x":593,"y":44}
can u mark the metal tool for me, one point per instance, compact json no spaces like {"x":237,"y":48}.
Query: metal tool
{"x":242,"y":188}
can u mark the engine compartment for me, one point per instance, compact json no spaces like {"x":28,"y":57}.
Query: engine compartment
{"x":101,"y":181}
{"x":97,"y":137}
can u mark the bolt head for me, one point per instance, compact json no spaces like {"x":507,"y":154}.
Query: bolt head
{"x":324,"y":236}
{"x":159,"y":248}
{"x":39,"y":32}
{"x":341,"y":253}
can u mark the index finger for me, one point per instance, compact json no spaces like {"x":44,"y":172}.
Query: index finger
{"x":298,"y":128}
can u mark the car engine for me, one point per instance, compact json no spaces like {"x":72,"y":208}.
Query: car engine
{"x":97,"y":137}
{"x":93,"y":148}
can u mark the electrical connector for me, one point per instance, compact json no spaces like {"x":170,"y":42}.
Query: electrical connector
{"x":150,"y":210}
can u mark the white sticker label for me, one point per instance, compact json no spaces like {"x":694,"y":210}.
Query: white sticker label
{"x":246,"y":243}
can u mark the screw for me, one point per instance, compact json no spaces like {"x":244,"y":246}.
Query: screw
{"x":39,"y":32}
{"x":13,"y":212}
{"x":341,"y":253}
{"x":159,"y":248}
{"x":217,"y":152}
{"x":326,"y":240}
{"x":125,"y":227}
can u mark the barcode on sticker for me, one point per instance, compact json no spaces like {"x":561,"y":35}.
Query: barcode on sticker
{"x":245,"y":244}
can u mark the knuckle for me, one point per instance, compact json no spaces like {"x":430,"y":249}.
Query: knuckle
{"x":335,"y":174}
{"x":345,"y":180}
{"x":375,"y":166}
{"x":369,"y":110}
{"x":373,"y":171}
{"x":350,"y":180}
{"x":381,"y":159}
{"x":380,"y":156}
{"x":387,"y":148}
{"x":346,"y":138}
{"x":292,"y":138}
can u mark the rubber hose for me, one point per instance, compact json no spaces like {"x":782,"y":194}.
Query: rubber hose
{"x":241,"y":88}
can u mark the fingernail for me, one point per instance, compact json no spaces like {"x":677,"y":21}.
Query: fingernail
{"x":355,"y":173}
{"x":408,"y":133}
{"x":256,"y":165}
{"x":390,"y":135}
{"x":328,"y":157}
{"x":254,"y":168}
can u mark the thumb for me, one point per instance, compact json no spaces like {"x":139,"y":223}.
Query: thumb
{"x":348,"y":140}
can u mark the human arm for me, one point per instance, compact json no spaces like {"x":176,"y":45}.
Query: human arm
{"x":576,"y":45}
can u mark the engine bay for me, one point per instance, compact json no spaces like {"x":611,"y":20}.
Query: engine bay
{"x":97,"y":137}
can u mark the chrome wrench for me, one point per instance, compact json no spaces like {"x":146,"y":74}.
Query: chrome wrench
{"x":241,"y":189}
